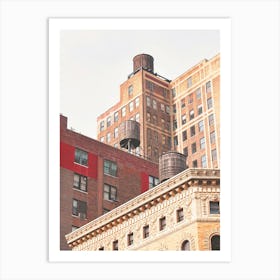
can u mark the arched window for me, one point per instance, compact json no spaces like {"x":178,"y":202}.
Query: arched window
{"x":215,"y":242}
{"x":186,"y":246}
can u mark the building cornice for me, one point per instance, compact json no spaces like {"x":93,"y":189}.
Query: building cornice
{"x":168,"y":188}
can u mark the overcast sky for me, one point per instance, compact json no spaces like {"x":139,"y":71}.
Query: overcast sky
{"x":95,"y":63}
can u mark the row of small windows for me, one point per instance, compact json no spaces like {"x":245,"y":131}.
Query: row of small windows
{"x":197,"y":91}
{"x":153,"y":104}
{"x":203,"y":158}
{"x":192,"y":133}
{"x":200,"y":124}
{"x":109,"y":121}
{"x":213,"y":209}
{"x":157,"y":89}
{"x":154,"y":120}
{"x":116,"y":130}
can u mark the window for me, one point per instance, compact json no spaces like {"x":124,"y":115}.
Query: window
{"x":214,"y":207}
{"x":180,"y":215}
{"x":190,"y":99}
{"x":116,"y":116}
{"x":116,"y":145}
{"x":81,"y":157}
{"x":130,"y":90}
{"x":191,"y":114}
{"x":148,"y":99}
{"x":123,"y":111}
{"x":212,"y":137}
{"x":214,"y":154}
{"x":192,"y":130}
{"x":165,"y":92}
{"x":199,"y":110}
{"x":189,"y":82}
{"x":167,"y":109}
{"x":74,"y":228}
{"x":169,"y":142}
{"x":198,"y":93}
{"x":175,"y":140}
{"x":80,"y":182}
{"x":193,"y":148}
{"x":174,"y":108}
{"x":173,"y":92}
{"x":102,"y":126}
{"x":209,"y":103}
{"x":116,"y":132}
{"x":185,"y":246}
{"x":153,"y":181}
{"x":174,"y":124}
{"x":79,"y":208}
{"x":154,"y":104}
{"x":149,"y":85}
{"x":201,"y":126}
{"x":131,"y":106}
{"x":101,"y":249}
{"x":194,"y":164}
{"x":148,"y":117}
{"x":215,"y":242}
{"x":184,"y":135}
{"x":115,"y":245}
{"x":163,"y":139}
{"x":162,"y":123}
{"x":185,"y":151}
{"x":110,"y":193}
{"x":146,"y":231}
{"x":184,"y":119}
{"x":108,"y":137}
{"x":110,"y":168}
{"x":108,"y":121}
{"x":130,"y":239}
{"x":155,"y":119}
{"x":162,"y":223}
{"x":137,"y":117}
{"x":183,"y":105}
{"x":208,"y":87}
{"x":137,"y":102}
{"x":202,"y":143}
{"x":162,"y":107}
{"x":211,"y":119}
{"x":203,"y":161}
{"x":102,"y":139}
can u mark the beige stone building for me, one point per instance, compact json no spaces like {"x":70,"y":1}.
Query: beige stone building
{"x":181,"y":213}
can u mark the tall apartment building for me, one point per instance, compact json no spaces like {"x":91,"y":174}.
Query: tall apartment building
{"x":96,"y":178}
{"x":181,"y":115}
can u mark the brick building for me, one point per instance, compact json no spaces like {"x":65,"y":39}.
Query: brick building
{"x":182,"y":114}
{"x":95,"y":178}
{"x":182,"y":213}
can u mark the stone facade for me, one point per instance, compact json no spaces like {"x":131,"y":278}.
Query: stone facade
{"x":176,"y":211}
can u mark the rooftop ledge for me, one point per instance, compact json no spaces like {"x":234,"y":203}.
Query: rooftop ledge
{"x":142,"y":202}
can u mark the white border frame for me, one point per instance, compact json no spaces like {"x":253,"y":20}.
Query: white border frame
{"x":24,"y":59}
{"x":57,"y":25}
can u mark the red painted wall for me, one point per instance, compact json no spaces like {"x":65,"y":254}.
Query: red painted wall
{"x":144,"y":182}
{"x":67,"y":154}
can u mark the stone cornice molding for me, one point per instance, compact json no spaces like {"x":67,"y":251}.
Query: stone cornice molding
{"x":165,"y":190}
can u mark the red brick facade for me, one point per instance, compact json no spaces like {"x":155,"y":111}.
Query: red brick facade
{"x":131,"y":179}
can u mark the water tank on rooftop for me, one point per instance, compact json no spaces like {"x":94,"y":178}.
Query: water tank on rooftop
{"x":170,"y":164}
{"x":129,"y":134}
{"x":145,"y":61}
